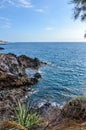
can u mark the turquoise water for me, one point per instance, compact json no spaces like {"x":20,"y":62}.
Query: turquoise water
{"x":65,"y":75}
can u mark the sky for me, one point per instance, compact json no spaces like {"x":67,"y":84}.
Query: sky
{"x":39,"y":21}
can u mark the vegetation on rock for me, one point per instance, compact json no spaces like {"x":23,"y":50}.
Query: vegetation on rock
{"x":25,"y":117}
{"x":75,"y":109}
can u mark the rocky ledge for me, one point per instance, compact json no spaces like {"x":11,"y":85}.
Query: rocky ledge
{"x":13,"y":79}
{"x":12,"y":70}
{"x":72,"y":116}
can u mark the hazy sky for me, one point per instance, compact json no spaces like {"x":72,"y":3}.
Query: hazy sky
{"x":39,"y":20}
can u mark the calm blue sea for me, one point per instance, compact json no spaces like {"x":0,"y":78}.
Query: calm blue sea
{"x":65,"y":75}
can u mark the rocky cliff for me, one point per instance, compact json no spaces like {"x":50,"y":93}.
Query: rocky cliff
{"x":12,"y":70}
{"x":13,"y":79}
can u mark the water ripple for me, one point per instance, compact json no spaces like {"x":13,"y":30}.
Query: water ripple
{"x":65,"y":75}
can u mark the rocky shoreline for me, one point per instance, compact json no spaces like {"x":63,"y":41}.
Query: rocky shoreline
{"x":14,"y":84}
{"x":12,"y":70}
{"x":72,"y":116}
{"x":14,"y":81}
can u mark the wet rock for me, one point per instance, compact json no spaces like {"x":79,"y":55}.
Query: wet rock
{"x":37,"y":75}
{"x":1,"y":48}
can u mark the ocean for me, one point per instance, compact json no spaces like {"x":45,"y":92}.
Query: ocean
{"x":63,"y":78}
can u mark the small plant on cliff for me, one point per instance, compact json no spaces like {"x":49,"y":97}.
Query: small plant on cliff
{"x":25,"y":117}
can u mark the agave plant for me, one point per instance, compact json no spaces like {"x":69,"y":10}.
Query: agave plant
{"x":25,"y":117}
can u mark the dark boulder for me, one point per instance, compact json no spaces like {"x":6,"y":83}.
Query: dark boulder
{"x":28,"y":62}
{"x":1,"y":48}
{"x":37,"y":75}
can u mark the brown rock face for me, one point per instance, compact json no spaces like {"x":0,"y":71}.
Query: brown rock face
{"x":10,"y":65}
{"x":13,"y":78}
{"x":12,"y":70}
{"x":8,"y":102}
{"x":28,"y":62}
{"x":75,"y":109}
{"x":72,"y":116}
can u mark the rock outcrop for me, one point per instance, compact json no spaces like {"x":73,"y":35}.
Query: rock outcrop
{"x":13,"y":79}
{"x":12,"y":70}
{"x":75,"y":109}
{"x":28,"y":62}
{"x":72,"y":116}
{"x":1,"y":48}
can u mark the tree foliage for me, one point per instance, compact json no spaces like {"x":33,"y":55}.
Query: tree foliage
{"x":79,"y":9}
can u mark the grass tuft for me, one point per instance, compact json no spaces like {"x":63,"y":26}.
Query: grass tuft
{"x":25,"y":117}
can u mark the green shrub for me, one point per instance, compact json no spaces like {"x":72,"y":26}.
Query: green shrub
{"x":25,"y":117}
